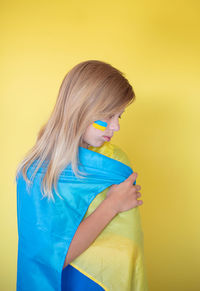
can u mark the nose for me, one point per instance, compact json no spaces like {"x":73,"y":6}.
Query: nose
{"x":114,"y":124}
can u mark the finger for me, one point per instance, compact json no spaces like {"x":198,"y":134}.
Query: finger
{"x":132,"y":177}
{"x":138,"y":187}
{"x":140,"y":202}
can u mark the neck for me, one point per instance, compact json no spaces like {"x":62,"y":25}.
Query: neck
{"x":84,"y":145}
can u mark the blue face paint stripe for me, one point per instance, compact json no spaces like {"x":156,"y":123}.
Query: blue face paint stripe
{"x":100,"y":122}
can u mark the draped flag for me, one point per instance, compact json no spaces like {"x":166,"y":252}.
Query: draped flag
{"x":114,"y":261}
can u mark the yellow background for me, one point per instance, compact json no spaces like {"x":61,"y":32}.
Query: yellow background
{"x":156,"y":44}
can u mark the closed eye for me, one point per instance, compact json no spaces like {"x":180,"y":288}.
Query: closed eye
{"x":113,"y":116}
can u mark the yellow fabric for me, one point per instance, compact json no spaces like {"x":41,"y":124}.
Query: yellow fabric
{"x":116,"y":258}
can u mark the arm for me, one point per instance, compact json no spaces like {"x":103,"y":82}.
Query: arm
{"x":89,"y":229}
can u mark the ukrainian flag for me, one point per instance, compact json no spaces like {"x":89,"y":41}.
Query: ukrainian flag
{"x":99,"y":124}
{"x":114,"y":261}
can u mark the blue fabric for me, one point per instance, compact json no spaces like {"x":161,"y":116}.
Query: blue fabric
{"x":83,"y":283}
{"x":46,"y":229}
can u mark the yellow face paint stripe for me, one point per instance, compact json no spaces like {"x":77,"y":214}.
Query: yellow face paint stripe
{"x":97,"y":126}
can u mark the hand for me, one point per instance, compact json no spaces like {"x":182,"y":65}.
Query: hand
{"x":123,"y":196}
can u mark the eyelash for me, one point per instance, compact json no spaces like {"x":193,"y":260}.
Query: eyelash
{"x":113,"y":115}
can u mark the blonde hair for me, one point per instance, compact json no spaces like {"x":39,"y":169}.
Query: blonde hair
{"x":92,"y":90}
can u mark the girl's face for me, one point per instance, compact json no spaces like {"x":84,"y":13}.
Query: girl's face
{"x":96,"y":137}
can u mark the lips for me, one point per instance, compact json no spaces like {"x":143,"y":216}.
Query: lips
{"x":107,"y":138}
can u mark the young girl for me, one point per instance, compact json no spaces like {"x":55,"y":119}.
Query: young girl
{"x":81,"y":232}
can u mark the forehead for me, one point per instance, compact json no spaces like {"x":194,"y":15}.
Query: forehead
{"x":119,"y":112}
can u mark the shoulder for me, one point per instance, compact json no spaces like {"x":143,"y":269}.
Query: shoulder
{"x":120,"y":155}
{"x":113,"y":151}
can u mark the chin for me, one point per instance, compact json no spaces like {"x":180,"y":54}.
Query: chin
{"x":97,"y":144}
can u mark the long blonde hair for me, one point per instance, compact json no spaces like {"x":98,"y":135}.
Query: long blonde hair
{"x":91,"y":90}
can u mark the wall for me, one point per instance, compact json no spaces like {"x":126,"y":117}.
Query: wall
{"x":156,"y":44}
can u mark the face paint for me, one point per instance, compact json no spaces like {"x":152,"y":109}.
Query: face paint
{"x":99,"y":124}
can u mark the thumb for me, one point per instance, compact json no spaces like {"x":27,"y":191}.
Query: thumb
{"x":132,"y":177}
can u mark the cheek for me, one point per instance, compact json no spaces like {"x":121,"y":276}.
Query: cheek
{"x":90,"y":132}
